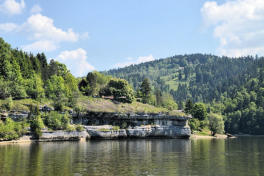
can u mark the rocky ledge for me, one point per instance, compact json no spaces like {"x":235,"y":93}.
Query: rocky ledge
{"x":63,"y":136}
{"x":107,"y":132}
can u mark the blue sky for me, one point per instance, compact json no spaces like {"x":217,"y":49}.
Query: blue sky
{"x":99,"y":35}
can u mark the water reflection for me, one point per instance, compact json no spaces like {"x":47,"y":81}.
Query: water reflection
{"x":243,"y":156}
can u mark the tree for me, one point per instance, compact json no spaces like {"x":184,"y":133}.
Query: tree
{"x":168,"y":102}
{"x":158,"y":96}
{"x":4,"y":89}
{"x":216,"y":123}
{"x":188,"y":106}
{"x":120,"y":89}
{"x":34,"y":87}
{"x":55,"y":87}
{"x":145,"y":90}
{"x":36,"y":125}
{"x":91,"y":79}
{"x":199,"y":111}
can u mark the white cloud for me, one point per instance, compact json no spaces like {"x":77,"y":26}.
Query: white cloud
{"x":45,"y":36}
{"x":42,"y":28}
{"x":76,"y":61}
{"x":238,"y":24}
{"x":12,"y":7}
{"x":40,"y":46}
{"x":36,"y":9}
{"x":131,"y":61}
{"x":8,"y":27}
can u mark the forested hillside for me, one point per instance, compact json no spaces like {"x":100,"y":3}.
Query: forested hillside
{"x":231,"y":86}
{"x":24,"y":75}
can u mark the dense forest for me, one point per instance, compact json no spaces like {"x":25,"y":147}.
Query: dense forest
{"x":233,"y":87}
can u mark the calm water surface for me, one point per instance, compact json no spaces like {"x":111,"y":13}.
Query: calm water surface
{"x":232,"y":157}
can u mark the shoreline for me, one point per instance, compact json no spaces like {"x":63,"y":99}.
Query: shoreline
{"x":217,"y":136}
{"x":28,"y":139}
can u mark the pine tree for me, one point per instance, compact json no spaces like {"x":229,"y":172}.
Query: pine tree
{"x":188,"y":106}
{"x":145,"y":90}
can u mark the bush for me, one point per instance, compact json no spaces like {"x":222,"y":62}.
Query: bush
{"x":36,"y":125}
{"x":120,"y":89}
{"x":8,"y":104}
{"x":10,"y":130}
{"x":216,"y":124}
{"x":116,"y":128}
{"x":194,"y":124}
{"x":79,"y":128}
{"x":70,"y":128}
{"x":58,"y":106}
{"x":57,"y":121}
{"x":199,"y":111}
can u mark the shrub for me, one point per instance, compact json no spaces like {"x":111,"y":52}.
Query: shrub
{"x":216,"y":124}
{"x":194,"y":124}
{"x":58,"y":106}
{"x":8,"y":104}
{"x":79,"y":128}
{"x":70,"y":128}
{"x":120,"y":89}
{"x":11,"y":130}
{"x":36,"y":124}
{"x":199,"y":111}
{"x":116,"y":128}
{"x":57,"y":121}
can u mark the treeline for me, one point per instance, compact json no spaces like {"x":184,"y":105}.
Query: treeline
{"x":24,"y":75}
{"x":232,"y":87}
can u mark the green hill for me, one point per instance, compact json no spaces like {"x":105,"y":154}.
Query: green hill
{"x":231,"y":86}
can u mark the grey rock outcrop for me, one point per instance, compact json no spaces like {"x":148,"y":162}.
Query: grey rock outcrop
{"x":64,"y":136}
{"x":139,"y":132}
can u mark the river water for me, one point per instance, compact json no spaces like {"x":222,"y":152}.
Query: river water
{"x":243,"y":156}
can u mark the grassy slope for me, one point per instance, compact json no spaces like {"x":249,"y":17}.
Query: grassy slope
{"x":95,"y":104}
{"x":98,"y":104}
{"x":23,"y":105}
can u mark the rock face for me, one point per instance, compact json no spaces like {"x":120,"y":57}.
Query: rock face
{"x":139,"y":132}
{"x":162,"y":131}
{"x":134,"y":125}
{"x":64,"y":136}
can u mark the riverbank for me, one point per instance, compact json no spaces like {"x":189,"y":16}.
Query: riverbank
{"x":51,"y":137}
{"x":217,"y":136}
{"x":28,"y":139}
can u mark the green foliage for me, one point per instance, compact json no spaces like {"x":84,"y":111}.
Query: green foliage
{"x":57,"y":121}
{"x":168,"y":102}
{"x":58,"y":105}
{"x":119,"y":89}
{"x":145,"y":90}
{"x":8,"y":104}
{"x":34,"y":87}
{"x":36,"y":125}
{"x":79,"y":128}
{"x":10,"y":130}
{"x":25,"y":75}
{"x":116,"y":128}
{"x":199,"y":111}
{"x":55,"y":87}
{"x":194,"y":124}
{"x":4,"y":89}
{"x":188,"y":107}
{"x":158,"y":96}
{"x":91,"y":85}
{"x":216,"y":123}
